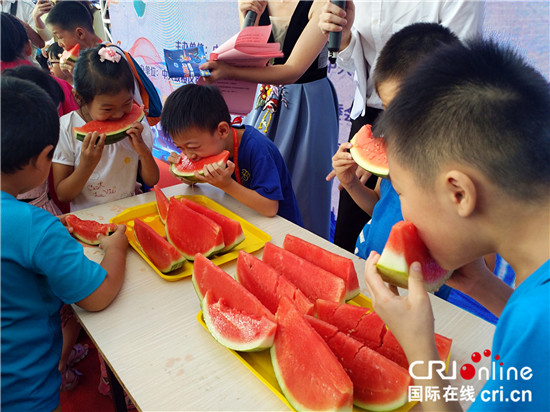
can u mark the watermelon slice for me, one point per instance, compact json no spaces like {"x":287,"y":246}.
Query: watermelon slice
{"x":404,"y":247}
{"x":70,"y":55}
{"x":331,"y":262}
{"x":307,"y":371}
{"x":236,"y":329}
{"x":268,"y":285}
{"x":356,"y":321}
{"x":89,"y":231}
{"x":392,"y":350}
{"x":162,"y":204}
{"x":192,"y":233}
{"x":369,"y":152}
{"x":186,"y":168}
{"x":114,"y":129}
{"x":160,"y":252}
{"x":316,"y":283}
{"x":232,"y":230}
{"x":378,"y":383}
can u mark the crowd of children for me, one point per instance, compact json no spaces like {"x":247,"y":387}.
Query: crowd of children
{"x":467,"y":131}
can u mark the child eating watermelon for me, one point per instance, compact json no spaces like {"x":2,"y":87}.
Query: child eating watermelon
{"x":197,"y":119}
{"x":400,"y":55}
{"x":42,"y":265}
{"x":468,"y":146}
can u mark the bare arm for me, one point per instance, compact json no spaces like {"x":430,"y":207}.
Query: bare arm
{"x":68,"y":180}
{"x":148,"y":168}
{"x":114,"y":262}
{"x":305,"y":51}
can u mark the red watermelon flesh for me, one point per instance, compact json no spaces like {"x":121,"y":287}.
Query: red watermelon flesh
{"x":162,"y":204}
{"x":192,"y":233}
{"x":369,"y":152}
{"x":207,"y":276}
{"x":114,"y":129}
{"x":186,"y":168}
{"x":378,"y":383}
{"x":331,"y":262}
{"x":160,"y":252}
{"x":404,"y":247}
{"x":268,"y":285}
{"x":316,"y":283}
{"x":231,"y":229}
{"x":70,"y":55}
{"x":307,"y":371}
{"x":392,"y":350}
{"x":89,"y":231}
{"x":356,"y":321}
{"x":237,"y":329}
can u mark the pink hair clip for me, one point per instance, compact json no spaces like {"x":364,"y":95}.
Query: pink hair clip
{"x":106,"y":53}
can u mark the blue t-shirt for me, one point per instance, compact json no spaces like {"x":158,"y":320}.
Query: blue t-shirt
{"x":386,"y":213}
{"x":263,"y":170}
{"x":42,"y":266}
{"x":521,"y":340}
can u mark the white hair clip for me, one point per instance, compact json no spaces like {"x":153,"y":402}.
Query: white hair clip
{"x":106,"y":53}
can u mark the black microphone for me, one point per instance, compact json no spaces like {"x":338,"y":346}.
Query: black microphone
{"x":250,"y":18}
{"x":335,"y":37}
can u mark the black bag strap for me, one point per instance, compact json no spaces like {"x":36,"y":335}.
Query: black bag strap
{"x":13,"y":8}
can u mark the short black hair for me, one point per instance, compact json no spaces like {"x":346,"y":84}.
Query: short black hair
{"x":30,"y":122}
{"x":408,"y":47}
{"x":14,"y":38}
{"x":54,"y":51}
{"x":194,"y":105}
{"x":92,"y":77}
{"x":478,"y":104}
{"x":40,"y":78}
{"x":68,"y":15}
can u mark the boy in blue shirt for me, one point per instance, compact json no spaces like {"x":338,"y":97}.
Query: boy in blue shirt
{"x":468,"y":145}
{"x":197,"y":119}
{"x":42,"y":265}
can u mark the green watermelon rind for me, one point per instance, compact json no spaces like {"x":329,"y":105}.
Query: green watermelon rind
{"x":257,"y":345}
{"x":109,"y":229}
{"x":366,"y":133}
{"x":111,"y":137}
{"x":369,"y":167}
{"x":191,"y":174}
{"x":191,"y":257}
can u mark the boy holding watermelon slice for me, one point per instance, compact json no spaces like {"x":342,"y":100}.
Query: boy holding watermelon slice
{"x":42,"y":265}
{"x":468,"y":145}
{"x":197,"y":119}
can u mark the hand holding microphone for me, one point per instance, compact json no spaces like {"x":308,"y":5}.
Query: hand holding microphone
{"x":335,"y":37}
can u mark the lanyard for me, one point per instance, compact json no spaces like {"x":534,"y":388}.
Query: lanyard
{"x":236,"y":155}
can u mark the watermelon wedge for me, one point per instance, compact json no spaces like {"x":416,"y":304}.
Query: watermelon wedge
{"x":231,"y":229}
{"x":160,"y":252}
{"x":316,"y":283}
{"x":114,"y":129}
{"x":331,"y":262}
{"x":89,"y":231}
{"x":404,"y":247}
{"x":236,"y":329}
{"x":369,"y":152}
{"x":378,"y":383}
{"x":356,"y":321}
{"x":186,"y":168}
{"x":162,"y":204}
{"x":192,"y":233}
{"x":306,"y":369}
{"x":268,"y":285}
{"x":70,"y":55}
{"x":233,"y":315}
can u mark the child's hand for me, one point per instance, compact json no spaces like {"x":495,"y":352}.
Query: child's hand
{"x":344,"y":166}
{"x":92,"y":149}
{"x":217,"y":176}
{"x":63,"y":219}
{"x":66,"y":66}
{"x":409,"y":317}
{"x":174,"y":158}
{"x":117,"y":239}
{"x":134,"y":134}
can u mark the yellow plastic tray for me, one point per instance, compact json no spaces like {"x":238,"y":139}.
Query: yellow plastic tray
{"x":259,"y":363}
{"x":254,"y":240}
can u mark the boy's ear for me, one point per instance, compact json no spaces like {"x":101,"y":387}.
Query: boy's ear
{"x":77,"y":97}
{"x":28,"y":48}
{"x":80,"y":33}
{"x":461,"y":190}
{"x":43,"y":160}
{"x":224,"y":129}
